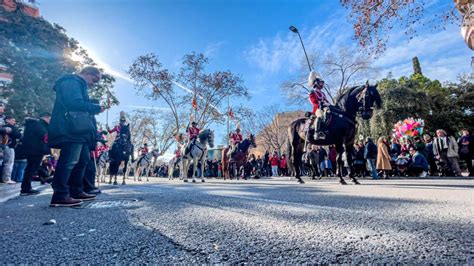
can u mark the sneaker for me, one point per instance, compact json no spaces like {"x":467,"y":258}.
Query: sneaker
{"x":10,"y":182}
{"x":423,"y":174}
{"x":67,"y":202}
{"x":30,"y":192}
{"x":84,"y":197}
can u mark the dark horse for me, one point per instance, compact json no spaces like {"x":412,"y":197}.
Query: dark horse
{"x":231,"y":166}
{"x":120,"y":152}
{"x":340,"y":124}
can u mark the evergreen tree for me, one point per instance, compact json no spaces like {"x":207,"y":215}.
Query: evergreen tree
{"x":37,"y":53}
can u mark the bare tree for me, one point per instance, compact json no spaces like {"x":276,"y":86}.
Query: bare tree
{"x":339,"y":70}
{"x":154,"y":127}
{"x":373,"y":20}
{"x":210,"y":90}
{"x":273,"y":123}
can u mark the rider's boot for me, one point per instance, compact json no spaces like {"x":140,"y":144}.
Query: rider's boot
{"x":318,"y":134}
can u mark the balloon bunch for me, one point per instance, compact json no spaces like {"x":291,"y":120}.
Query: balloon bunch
{"x":408,"y":128}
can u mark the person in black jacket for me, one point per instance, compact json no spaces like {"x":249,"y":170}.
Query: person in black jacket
{"x":72,"y":98}
{"x":370,"y":154}
{"x":35,"y":146}
{"x":9,"y":149}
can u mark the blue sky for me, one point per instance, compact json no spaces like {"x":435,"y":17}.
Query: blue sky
{"x":250,"y":38}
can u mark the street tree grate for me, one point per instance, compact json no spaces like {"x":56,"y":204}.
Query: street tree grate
{"x":115,"y":203}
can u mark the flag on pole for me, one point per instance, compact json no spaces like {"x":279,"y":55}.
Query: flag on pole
{"x":231,"y":113}
{"x":194,"y":103}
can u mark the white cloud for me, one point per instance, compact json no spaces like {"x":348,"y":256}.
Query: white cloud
{"x":212,"y":48}
{"x":443,"y":56}
{"x":284,"y":50}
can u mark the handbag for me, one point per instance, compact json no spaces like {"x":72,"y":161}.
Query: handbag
{"x":79,"y":122}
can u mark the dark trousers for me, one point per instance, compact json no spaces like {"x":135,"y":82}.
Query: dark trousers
{"x":32,"y":164}
{"x":415,"y":171}
{"x":69,"y":175}
{"x":468,"y":159}
{"x":89,"y":176}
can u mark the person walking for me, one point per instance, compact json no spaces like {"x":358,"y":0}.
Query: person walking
{"x":370,"y":155}
{"x":72,"y":133}
{"x":383,"y":157}
{"x":466,"y":149}
{"x":446,"y":150}
{"x":10,"y":142}
{"x":34,"y":146}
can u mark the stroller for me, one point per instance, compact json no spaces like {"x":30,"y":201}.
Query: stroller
{"x":401,"y":164}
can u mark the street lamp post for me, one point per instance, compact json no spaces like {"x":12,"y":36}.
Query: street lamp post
{"x":295,"y":30}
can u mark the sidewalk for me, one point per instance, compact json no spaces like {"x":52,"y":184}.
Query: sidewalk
{"x":11,"y":191}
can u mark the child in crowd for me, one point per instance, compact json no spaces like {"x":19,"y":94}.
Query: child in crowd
{"x":326,"y":166}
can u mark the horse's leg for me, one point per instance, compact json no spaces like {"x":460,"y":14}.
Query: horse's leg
{"x":203,"y":162}
{"x":349,"y":151}
{"x":340,"y":163}
{"x":125,"y":171}
{"x":184,"y":169}
{"x":194,"y":170}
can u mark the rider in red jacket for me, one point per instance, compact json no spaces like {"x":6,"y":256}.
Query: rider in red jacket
{"x":235,"y":137}
{"x":317,"y":99}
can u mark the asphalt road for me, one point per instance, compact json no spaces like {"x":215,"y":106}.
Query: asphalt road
{"x":263,"y":221}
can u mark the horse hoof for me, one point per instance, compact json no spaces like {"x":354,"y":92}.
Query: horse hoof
{"x":110,"y":182}
{"x":185,"y":181}
{"x":115,"y":183}
{"x":355,"y":181}
{"x":123,"y":183}
{"x":342,"y":182}
{"x":300,"y":181}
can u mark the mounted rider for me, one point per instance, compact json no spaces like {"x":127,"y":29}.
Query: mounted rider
{"x":193,"y":133}
{"x":318,"y":100}
{"x":143,"y":150}
{"x":123,"y":128}
{"x":235,"y":137}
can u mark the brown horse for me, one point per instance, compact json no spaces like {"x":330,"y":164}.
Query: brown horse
{"x":231,"y":166}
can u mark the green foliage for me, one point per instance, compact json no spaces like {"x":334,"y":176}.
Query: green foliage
{"x":37,"y":53}
{"x":449,"y":107}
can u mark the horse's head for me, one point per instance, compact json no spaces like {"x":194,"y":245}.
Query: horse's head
{"x":369,"y":98}
{"x":207,"y":135}
{"x":155,"y":153}
{"x":252,"y":141}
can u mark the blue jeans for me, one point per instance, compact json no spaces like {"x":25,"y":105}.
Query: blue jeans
{"x":69,"y":175}
{"x":372,"y":168}
{"x":18,"y":170}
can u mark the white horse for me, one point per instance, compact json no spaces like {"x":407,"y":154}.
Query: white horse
{"x":172,"y":165}
{"x":197,"y":152}
{"x":102,"y":166}
{"x":144,"y":163}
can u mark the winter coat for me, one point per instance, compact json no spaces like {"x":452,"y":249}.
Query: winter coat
{"x":383,"y":158}
{"x":283,"y":163}
{"x":370,"y":151}
{"x":35,"y":140}
{"x":452,"y":147}
{"x":420,"y":161}
{"x":13,"y":136}
{"x":71,"y":95}
{"x":274,"y":160}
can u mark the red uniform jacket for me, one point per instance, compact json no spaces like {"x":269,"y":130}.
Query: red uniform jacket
{"x":316,"y":97}
{"x":236,"y":138}
{"x":193,"y":132}
{"x":144,"y":150}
